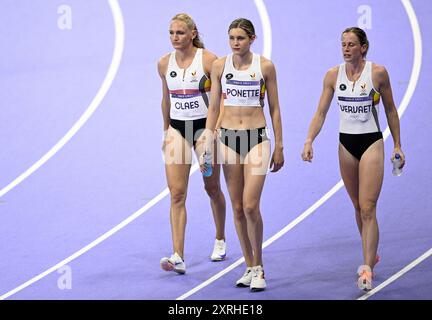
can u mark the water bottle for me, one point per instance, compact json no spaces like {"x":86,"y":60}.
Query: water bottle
{"x":397,"y":170}
{"x":207,"y":164}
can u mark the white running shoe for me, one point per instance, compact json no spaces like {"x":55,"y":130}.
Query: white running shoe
{"x":174,"y":263}
{"x":219,"y":250}
{"x":364,"y":281}
{"x":246,"y":279}
{"x":258,"y":282}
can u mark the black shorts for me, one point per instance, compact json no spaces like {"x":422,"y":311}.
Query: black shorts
{"x":242,"y":141}
{"x":190,"y":130}
{"x":357,"y":144}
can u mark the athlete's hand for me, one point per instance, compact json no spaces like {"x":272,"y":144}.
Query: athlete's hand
{"x":277,"y":160}
{"x":402,"y":156}
{"x":205,"y":140}
{"x":164,"y":140}
{"x":307,"y":153}
{"x":201,"y":162}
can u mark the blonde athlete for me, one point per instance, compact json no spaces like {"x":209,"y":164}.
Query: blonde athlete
{"x":358,"y":85}
{"x":242,"y":78}
{"x":185,"y":75}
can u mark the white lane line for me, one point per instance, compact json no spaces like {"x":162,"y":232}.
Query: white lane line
{"x":266,"y":25}
{"x":115,"y":63}
{"x":415,"y":74}
{"x":397,"y":275}
{"x":402,"y":107}
{"x":418,"y":52}
{"x":80,"y":252}
{"x":106,"y":84}
{"x":100,"y":239}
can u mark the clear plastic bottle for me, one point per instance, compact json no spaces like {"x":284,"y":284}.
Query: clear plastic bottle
{"x":397,"y":170}
{"x":207,"y":164}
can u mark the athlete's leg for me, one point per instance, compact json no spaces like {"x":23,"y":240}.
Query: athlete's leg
{"x":255,"y":170}
{"x":371,"y":173}
{"x":233,"y":172}
{"x":178,"y":156}
{"x":349,"y":169}
{"x":213,"y":188}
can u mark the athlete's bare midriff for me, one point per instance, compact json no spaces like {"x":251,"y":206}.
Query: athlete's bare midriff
{"x":241,"y":117}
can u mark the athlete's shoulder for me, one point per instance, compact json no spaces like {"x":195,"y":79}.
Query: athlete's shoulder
{"x":219,"y":62}
{"x":268,"y":68}
{"x":208,"y":55}
{"x":379,"y":70}
{"x":218,"y":67}
{"x":163,"y":64}
{"x":379,"y":74}
{"x":332,"y":73}
{"x":164,"y":58}
{"x":266,"y":63}
{"x":330,"y":77}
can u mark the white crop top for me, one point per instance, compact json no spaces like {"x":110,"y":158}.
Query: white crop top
{"x":244,"y":88}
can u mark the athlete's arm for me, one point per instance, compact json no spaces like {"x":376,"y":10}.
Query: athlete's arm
{"x":215,"y":94}
{"x":213,"y":109}
{"x":269,"y":73}
{"x":321,"y":112}
{"x":209,"y":58}
{"x":221,"y":113}
{"x":382,"y":78}
{"x":162,"y":68}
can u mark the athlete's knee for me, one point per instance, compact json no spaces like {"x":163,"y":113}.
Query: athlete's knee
{"x":357,"y":207}
{"x":367,"y":210}
{"x":251,"y":209}
{"x":238,"y":211}
{"x":178,"y":196}
{"x":213,"y":189}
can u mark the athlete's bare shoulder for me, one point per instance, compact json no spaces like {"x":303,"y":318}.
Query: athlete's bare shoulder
{"x":208,"y":55}
{"x":266,"y":64}
{"x":208,"y":59}
{"x":377,"y":67}
{"x":268,"y":69}
{"x":164,"y":59}
{"x":265,"y":60}
{"x":218,"y":67}
{"x":379,"y":70}
{"x":163,"y":64}
{"x":379,"y":76}
{"x":219,"y":63}
{"x":330,"y":77}
{"x":332,"y":72}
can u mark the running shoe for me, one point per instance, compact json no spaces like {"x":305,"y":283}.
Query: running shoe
{"x":364,"y":281}
{"x":174,"y":263}
{"x":258,"y":282}
{"x":246,"y":279}
{"x":219,"y":250}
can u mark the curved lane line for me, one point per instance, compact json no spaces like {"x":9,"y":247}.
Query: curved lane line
{"x":115,"y":63}
{"x":109,"y":78}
